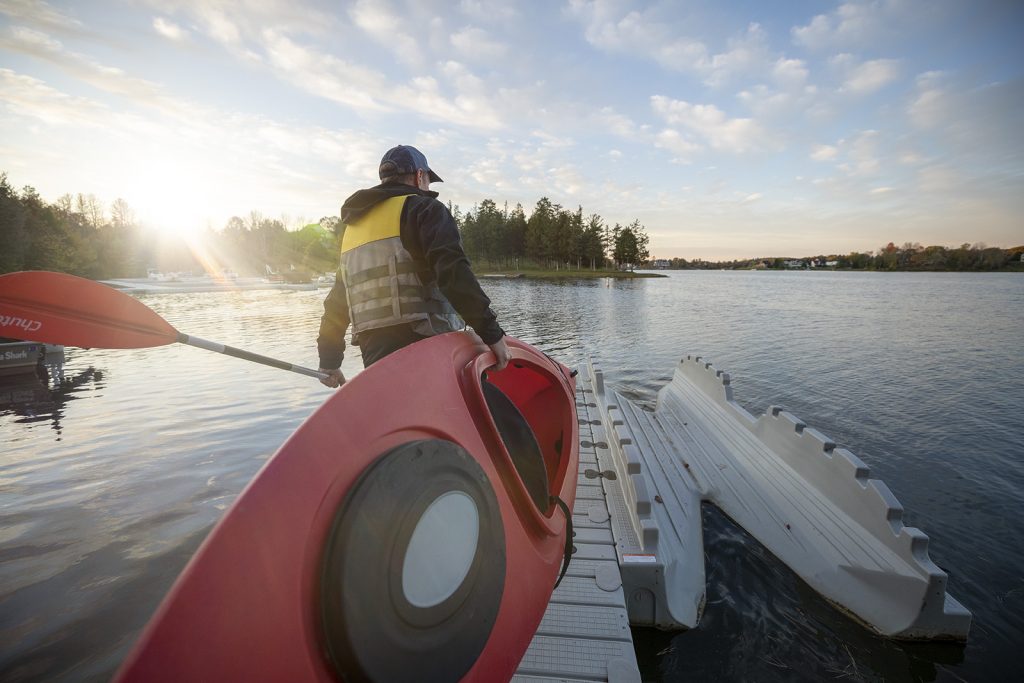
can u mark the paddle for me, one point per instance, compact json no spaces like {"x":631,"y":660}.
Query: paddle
{"x":56,"y":308}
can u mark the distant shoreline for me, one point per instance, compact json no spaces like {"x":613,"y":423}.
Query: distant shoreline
{"x":1012,"y":268}
{"x":563,"y":274}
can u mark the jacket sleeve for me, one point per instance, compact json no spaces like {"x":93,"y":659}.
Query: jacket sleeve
{"x":331,"y":341}
{"x":434,"y":231}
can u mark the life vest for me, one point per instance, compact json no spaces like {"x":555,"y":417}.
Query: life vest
{"x":384,"y":284}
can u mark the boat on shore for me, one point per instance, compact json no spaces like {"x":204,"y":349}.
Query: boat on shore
{"x":414,"y":539}
{"x":203,"y":284}
{"x":18,"y":356}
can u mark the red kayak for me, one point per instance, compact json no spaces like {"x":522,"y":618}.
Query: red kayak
{"x":411,"y":529}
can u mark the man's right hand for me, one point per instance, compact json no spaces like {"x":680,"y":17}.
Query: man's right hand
{"x":334,"y":378}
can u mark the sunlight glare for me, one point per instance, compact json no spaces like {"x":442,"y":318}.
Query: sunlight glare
{"x":170,"y":195}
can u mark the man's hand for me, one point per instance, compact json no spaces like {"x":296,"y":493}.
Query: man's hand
{"x":334,"y":378}
{"x":501,"y":353}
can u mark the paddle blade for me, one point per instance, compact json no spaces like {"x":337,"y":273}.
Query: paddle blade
{"x":57,"y":308}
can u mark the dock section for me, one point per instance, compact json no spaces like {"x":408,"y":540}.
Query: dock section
{"x":585,"y":634}
{"x":812,"y":504}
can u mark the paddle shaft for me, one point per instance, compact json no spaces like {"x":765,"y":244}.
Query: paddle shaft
{"x":247,"y":355}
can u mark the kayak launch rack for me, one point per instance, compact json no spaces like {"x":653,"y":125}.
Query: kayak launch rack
{"x":809,"y":502}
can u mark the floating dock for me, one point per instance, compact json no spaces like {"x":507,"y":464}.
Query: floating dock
{"x":585,"y":634}
{"x":639,"y":542}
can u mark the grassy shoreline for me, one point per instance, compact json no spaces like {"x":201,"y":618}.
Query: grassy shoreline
{"x":563,"y":274}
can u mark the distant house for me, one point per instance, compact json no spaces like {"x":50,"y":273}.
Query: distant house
{"x":794,"y":263}
{"x":831,"y":264}
{"x":662,"y":264}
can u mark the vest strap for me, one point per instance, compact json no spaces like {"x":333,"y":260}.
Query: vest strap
{"x":406,"y":307}
{"x":370,"y":293}
{"x":382,"y":271}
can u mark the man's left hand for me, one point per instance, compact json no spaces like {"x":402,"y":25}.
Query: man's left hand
{"x":501,"y":354}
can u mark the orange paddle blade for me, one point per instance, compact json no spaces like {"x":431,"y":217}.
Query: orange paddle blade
{"x":57,"y":308}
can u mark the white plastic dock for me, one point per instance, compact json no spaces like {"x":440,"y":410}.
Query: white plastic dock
{"x":585,"y":634}
{"x":810,"y":503}
{"x":640,"y":549}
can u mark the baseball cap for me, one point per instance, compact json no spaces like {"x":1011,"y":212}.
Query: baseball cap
{"x":405,"y":159}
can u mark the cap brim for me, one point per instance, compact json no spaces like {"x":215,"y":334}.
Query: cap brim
{"x":434,"y":178}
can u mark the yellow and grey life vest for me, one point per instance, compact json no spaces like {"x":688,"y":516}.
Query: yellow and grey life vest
{"x":383,"y":281}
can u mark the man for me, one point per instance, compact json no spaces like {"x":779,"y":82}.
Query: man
{"x":404,"y":275}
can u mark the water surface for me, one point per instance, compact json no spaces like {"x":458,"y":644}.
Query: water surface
{"x":111,"y":476}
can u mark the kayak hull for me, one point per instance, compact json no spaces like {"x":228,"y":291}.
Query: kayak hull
{"x":336,"y":539}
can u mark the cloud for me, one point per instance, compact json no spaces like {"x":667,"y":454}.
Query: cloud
{"x":608,"y":119}
{"x":325,"y":75}
{"x":477,"y":44}
{"x":814,"y":35}
{"x":864,"y":152}
{"x":169,"y":30}
{"x":271,"y":36}
{"x":789,"y":97}
{"x":683,"y":148}
{"x":243,"y":161}
{"x":493,"y":11}
{"x":611,"y":28}
{"x":472,"y":105}
{"x":932,"y":103}
{"x":824,"y":152}
{"x":110,"y":79}
{"x":862,"y":23}
{"x":790,"y":74}
{"x":866,"y":77}
{"x":939,"y":179}
{"x":654,"y":34}
{"x":534,"y":166}
{"x":736,"y":135}
{"x":40,"y":15}
{"x":953,"y":116}
{"x":378,"y":20}
{"x":31,"y":98}
{"x":747,"y":55}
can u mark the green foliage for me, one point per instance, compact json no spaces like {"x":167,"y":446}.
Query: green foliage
{"x":73,"y":235}
{"x":630,"y":248}
{"x":553,"y":237}
{"x":910,"y":256}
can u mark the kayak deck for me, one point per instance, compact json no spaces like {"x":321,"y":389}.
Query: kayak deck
{"x":585,"y":631}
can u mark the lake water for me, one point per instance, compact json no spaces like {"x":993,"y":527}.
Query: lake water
{"x":111,"y":478}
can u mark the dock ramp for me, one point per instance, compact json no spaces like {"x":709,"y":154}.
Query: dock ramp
{"x":585,"y":634}
{"x":813,"y":505}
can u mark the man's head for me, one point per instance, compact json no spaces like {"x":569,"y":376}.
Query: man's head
{"x":406,"y":164}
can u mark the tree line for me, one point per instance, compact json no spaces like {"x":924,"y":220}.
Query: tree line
{"x":909,"y":256}
{"x":77,"y":234}
{"x":553,"y":237}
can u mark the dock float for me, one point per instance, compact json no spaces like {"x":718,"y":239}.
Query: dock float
{"x":810,"y":503}
{"x":584,"y":635}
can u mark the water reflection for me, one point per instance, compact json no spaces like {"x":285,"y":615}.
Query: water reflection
{"x":762,"y":622}
{"x":41,"y":394}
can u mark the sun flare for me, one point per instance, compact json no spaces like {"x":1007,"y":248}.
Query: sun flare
{"x":170,"y":196}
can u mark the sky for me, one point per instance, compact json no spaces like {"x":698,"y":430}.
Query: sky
{"x":731,"y":129}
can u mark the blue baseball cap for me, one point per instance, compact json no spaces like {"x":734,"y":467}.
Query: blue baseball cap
{"x":405,"y":159}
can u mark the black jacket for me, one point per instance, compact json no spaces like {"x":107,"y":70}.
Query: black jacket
{"x":430,"y":235}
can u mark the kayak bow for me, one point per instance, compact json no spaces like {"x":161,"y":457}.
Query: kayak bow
{"x":410,"y":529}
